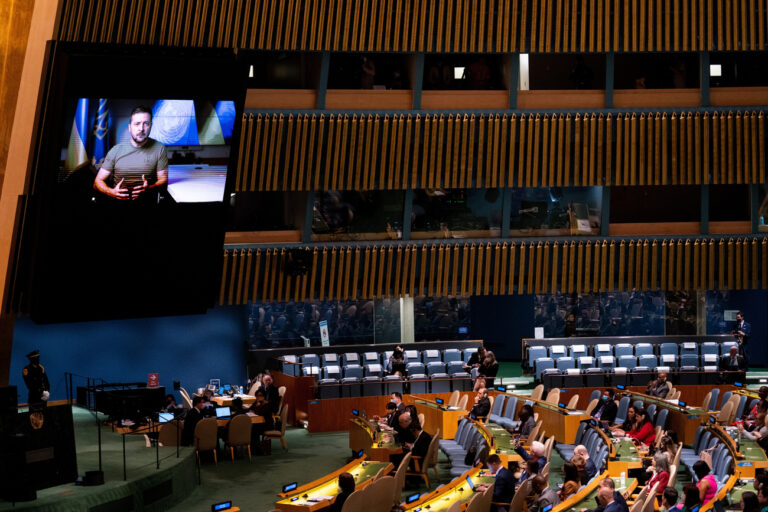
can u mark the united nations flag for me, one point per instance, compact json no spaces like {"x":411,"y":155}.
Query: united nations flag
{"x":100,"y":133}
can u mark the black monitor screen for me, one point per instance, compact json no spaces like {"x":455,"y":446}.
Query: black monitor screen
{"x":412,"y":498}
{"x":290,"y":487}
{"x":439,"y":401}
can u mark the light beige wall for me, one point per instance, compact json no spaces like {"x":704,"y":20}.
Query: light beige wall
{"x":20,"y":81}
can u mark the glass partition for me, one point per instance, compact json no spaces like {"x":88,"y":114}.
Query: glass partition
{"x":456,"y":213}
{"x":556,"y":211}
{"x":355,"y":215}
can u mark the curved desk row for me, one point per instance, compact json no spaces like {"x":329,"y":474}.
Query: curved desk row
{"x":458,"y":491}
{"x":684,"y":420}
{"x":322,"y":492}
{"x":366,"y":435}
{"x":556,"y":421}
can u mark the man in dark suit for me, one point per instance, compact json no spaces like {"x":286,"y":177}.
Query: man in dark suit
{"x":606,"y":408}
{"x":742,"y":330}
{"x":546,"y":495}
{"x":733,"y":362}
{"x":421,"y":439}
{"x":504,"y":486}
{"x":608,"y":483}
{"x":606,"y":497}
{"x":194,"y":415}
{"x":589,"y":466}
{"x":482,"y":405}
{"x":272,"y":393}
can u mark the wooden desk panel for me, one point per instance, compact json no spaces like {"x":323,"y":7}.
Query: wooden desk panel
{"x":332,"y":414}
{"x":298,"y":392}
{"x":555,"y":421}
{"x":435,"y":417}
{"x":326,"y":485}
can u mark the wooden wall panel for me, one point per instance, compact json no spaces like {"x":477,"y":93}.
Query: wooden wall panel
{"x":451,"y":269}
{"x":424,"y":26}
{"x":15,"y":20}
{"x":495,"y":149}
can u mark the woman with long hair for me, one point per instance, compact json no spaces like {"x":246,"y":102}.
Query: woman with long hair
{"x":707,"y":484}
{"x":749,"y":502}
{"x":571,"y":481}
{"x":642,"y":431}
{"x":629,"y":421}
{"x":692,"y":499}
{"x":660,"y":476}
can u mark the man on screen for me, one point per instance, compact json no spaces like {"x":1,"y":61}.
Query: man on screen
{"x":132,"y":168}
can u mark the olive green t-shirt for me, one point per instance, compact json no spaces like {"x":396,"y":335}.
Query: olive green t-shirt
{"x":130,"y":163}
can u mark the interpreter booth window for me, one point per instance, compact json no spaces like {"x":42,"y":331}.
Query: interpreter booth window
{"x":762,"y":211}
{"x":738,"y":69}
{"x":358,"y":215}
{"x":456,"y":213}
{"x":631,"y":205}
{"x":266,"y":211}
{"x":632,"y":313}
{"x":555,"y":211}
{"x":441,"y":318}
{"x":370,"y":71}
{"x":550,"y":71}
{"x":386,"y":320}
{"x":474,"y":72}
{"x":656,"y":71}
{"x":729,"y":203}
{"x":681,"y":313}
{"x":722,"y":307}
{"x":283,"y":70}
{"x":286,"y":324}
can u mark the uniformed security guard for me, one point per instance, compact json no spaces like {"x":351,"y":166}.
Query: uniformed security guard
{"x":36,"y":380}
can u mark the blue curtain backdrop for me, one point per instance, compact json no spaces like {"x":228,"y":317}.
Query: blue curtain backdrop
{"x":191,"y":349}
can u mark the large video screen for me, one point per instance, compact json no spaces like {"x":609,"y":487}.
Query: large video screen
{"x":125,"y":213}
{"x":148,"y":150}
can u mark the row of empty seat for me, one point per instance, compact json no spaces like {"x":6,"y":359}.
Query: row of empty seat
{"x":468,"y":435}
{"x":673,"y":352}
{"x":377,"y":386}
{"x":419,"y":361}
{"x":722,"y":461}
{"x":628,"y":362}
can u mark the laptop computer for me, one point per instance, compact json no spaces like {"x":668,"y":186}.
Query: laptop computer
{"x":223,"y":413}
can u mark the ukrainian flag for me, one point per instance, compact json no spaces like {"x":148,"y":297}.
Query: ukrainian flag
{"x":77,"y":155}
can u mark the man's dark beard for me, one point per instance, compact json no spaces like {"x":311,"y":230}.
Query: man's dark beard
{"x":140,"y":143}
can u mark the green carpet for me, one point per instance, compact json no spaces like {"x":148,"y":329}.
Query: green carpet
{"x":140,"y":467}
{"x":253,"y":486}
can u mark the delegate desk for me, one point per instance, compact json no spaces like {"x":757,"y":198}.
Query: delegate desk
{"x":556,"y":421}
{"x":623,"y":456}
{"x":366,"y":435}
{"x":322,"y":492}
{"x":437,"y":416}
{"x":683,"y":420}
{"x":585,"y":498}
{"x":503,"y":443}
{"x":458,"y":491}
{"x":225,"y":401}
{"x":748,"y":456}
